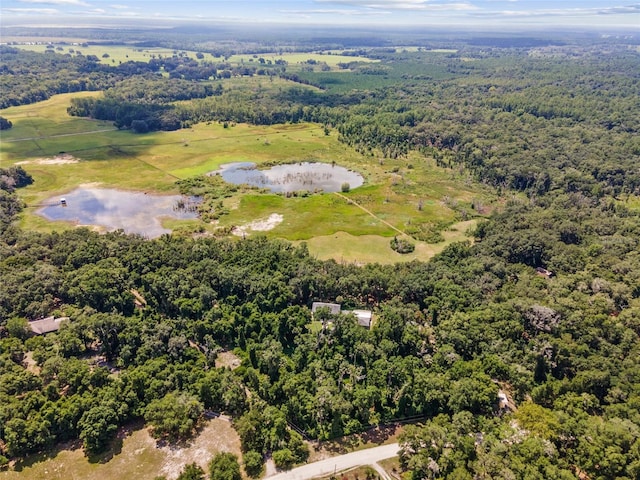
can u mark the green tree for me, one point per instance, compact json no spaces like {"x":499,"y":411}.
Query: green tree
{"x":224,"y":466}
{"x":283,"y":458}
{"x":173,"y":416}
{"x":191,"y":471}
{"x":253,"y":463}
{"x":98,"y":427}
{"x":19,"y":328}
{"x":27,"y":436}
{"x":5,"y":124}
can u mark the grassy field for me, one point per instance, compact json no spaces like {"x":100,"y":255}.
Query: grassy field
{"x":134,"y":454}
{"x":300,"y":58}
{"x":63,"y":152}
{"x":116,"y":54}
{"x":366,"y":248}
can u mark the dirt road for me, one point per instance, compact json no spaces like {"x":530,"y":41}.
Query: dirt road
{"x":337,"y":464}
{"x":61,"y":135}
{"x":353,"y":202}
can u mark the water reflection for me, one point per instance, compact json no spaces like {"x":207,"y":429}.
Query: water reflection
{"x":291,"y":177}
{"x":133,"y":212}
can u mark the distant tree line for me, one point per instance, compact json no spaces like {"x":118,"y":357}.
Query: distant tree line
{"x":505,"y":129}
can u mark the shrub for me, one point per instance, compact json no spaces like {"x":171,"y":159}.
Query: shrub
{"x":252,"y":463}
{"x":283,"y":459}
{"x":224,"y":466}
{"x":401,"y":245}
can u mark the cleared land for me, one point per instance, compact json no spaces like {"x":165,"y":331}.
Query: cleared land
{"x":398,"y":195}
{"x":134,"y":454}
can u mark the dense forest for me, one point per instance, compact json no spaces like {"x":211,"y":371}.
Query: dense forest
{"x":520,"y":351}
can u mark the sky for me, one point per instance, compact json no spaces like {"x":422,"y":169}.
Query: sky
{"x":501,"y":13}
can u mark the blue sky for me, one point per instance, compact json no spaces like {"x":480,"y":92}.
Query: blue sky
{"x":506,"y":13}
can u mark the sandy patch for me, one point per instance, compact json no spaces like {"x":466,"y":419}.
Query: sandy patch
{"x":217,"y":436}
{"x":31,"y":364}
{"x":62,"y":159}
{"x":228,"y":359}
{"x":136,"y":455}
{"x":259,"y":225}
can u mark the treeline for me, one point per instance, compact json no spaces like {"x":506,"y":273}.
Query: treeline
{"x":143,"y":104}
{"x":516,"y":122}
{"x":154,"y":103}
{"x":10,"y":205}
{"x":28,"y":77}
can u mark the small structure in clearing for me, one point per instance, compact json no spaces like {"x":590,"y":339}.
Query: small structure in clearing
{"x":334,"y":308}
{"x":47,"y":325}
{"x":363,"y":316}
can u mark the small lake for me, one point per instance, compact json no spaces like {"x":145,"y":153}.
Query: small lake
{"x":291,"y":177}
{"x":133,"y":212}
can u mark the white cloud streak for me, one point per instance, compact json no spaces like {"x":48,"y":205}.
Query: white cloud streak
{"x":76,"y":3}
{"x":39,"y":11}
{"x":422,"y":5}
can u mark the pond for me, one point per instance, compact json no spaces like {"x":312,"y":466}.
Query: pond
{"x":293,"y":177}
{"x":133,"y":212}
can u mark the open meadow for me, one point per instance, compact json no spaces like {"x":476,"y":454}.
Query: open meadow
{"x":63,"y":152}
{"x":116,"y":54}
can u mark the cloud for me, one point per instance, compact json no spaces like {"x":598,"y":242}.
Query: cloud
{"x":40,"y":11}
{"x":422,"y":5}
{"x":619,"y":10}
{"x":334,"y":12}
{"x":566,"y":12}
{"x":77,"y":3}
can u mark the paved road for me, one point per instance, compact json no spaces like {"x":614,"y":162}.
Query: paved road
{"x":337,"y":464}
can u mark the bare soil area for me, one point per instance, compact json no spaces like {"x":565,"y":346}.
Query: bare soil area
{"x":134,"y":454}
{"x":372,"y":438}
{"x":262,"y":225}
{"x":61,"y":159}
{"x":228,"y":359}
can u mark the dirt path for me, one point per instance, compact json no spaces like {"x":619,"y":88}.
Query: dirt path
{"x":61,"y":135}
{"x":381,"y":471}
{"x":337,"y":464}
{"x":353,"y":202}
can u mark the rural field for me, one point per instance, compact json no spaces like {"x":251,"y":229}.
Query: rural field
{"x":63,"y":152}
{"x":115,"y":54}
